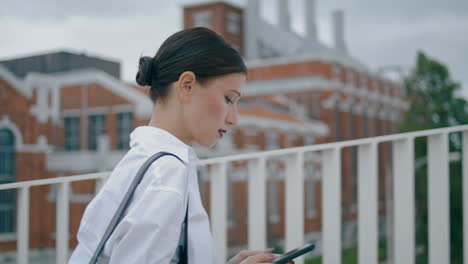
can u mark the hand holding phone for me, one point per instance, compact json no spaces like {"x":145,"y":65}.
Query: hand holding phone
{"x":285,"y":258}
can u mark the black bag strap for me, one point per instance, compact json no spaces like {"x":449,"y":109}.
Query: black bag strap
{"x":126,"y":202}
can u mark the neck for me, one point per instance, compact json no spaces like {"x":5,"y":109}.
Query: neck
{"x":169,"y":120}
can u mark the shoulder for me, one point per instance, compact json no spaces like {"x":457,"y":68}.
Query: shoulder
{"x":168,"y":172}
{"x":169,"y":163}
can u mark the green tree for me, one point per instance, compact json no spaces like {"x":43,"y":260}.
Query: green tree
{"x":433,"y":104}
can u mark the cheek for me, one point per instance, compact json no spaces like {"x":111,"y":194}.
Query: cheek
{"x":214,"y":108}
{"x":207,"y":114}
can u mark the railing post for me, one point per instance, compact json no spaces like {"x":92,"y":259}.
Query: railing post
{"x":62,"y":220}
{"x":257,"y":204}
{"x":368,"y":204}
{"x":438,"y":196}
{"x":218,"y":199}
{"x":23,"y":225}
{"x":294,"y":212}
{"x":403,"y":193}
{"x":331,"y":206}
{"x":465,"y":196}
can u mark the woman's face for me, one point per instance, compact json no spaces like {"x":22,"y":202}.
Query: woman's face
{"x":213,"y":108}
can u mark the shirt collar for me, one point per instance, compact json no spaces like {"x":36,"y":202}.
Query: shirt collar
{"x":155,"y":139}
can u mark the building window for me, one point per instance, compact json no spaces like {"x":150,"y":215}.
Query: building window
{"x":337,"y":120}
{"x":377,"y":125}
{"x":272,"y":140}
{"x":389,"y":127}
{"x":7,"y":175}
{"x":72,"y":133}
{"x":310,"y":180}
{"x":202,"y":19}
{"x":350,"y":77}
{"x":309,"y":140}
{"x":310,"y":196}
{"x":365,"y":123}
{"x":352,"y":122}
{"x":362,"y":81}
{"x":234,"y":174}
{"x":336,"y":72}
{"x":97,"y":127}
{"x":314,"y":106}
{"x":233,"y":23}
{"x":274,"y":171}
{"x":124,"y":128}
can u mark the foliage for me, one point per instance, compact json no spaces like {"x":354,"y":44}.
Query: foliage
{"x":434,"y":103}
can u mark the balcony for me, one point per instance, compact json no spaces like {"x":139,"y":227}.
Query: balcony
{"x":330,"y":244}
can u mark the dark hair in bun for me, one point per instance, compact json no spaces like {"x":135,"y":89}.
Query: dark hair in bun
{"x":199,"y":50}
{"x":145,"y":71}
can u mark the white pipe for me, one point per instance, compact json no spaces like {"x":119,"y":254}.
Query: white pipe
{"x":284,"y":16}
{"x":311,"y":28}
{"x":338,"y":30}
{"x":250,"y":29}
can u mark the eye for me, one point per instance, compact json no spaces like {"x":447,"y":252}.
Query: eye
{"x":228,"y":100}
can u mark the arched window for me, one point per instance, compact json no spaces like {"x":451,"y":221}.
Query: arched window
{"x":7,"y":175}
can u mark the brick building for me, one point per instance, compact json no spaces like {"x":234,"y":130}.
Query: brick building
{"x":77,"y":120}
{"x":329,"y":85}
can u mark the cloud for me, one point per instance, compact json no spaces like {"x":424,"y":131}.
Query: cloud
{"x":440,"y":37}
{"x":377,"y":33}
{"x":62,"y":9}
{"x":123,"y":39}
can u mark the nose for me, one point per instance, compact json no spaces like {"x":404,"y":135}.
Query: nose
{"x":232,"y":117}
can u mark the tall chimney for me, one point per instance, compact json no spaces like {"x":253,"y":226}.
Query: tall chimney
{"x":311,"y":29}
{"x":338,"y":30}
{"x":284,"y":15}
{"x":250,"y":29}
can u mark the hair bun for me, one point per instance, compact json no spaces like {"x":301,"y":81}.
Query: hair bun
{"x":145,"y":73}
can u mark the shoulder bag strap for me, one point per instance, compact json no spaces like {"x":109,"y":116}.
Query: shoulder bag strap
{"x":125,"y":203}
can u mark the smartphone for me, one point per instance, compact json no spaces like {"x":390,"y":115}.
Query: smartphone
{"x":285,"y":258}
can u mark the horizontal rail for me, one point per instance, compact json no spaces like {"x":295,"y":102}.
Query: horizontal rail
{"x":329,"y":146}
{"x":57,"y":180}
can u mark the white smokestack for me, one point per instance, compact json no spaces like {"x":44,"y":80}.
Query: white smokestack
{"x":338,"y":30}
{"x":250,"y":38}
{"x":284,"y":15}
{"x":311,"y":28}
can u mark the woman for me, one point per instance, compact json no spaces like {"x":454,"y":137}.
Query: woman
{"x":195,"y":81}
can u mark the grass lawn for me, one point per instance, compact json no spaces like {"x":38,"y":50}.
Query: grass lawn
{"x":350,"y":255}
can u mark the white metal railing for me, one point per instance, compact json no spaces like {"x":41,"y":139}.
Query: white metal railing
{"x":403,"y":193}
{"x":62,"y":212}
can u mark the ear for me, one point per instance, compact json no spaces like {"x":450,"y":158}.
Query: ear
{"x":185,"y":86}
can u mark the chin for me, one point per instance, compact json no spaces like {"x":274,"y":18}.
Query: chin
{"x":207,"y":143}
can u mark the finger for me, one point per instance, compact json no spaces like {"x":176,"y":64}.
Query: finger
{"x":247,"y":253}
{"x":256,"y":252}
{"x":260,"y":258}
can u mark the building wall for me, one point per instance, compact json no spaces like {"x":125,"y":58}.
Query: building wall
{"x":219,"y":24}
{"x":29,"y":164}
{"x":86,"y":100}
{"x":83,"y":100}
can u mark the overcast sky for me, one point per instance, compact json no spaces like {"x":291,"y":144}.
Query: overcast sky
{"x":379,"y":33}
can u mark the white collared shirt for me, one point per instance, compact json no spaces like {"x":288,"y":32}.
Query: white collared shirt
{"x":150,"y":229}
